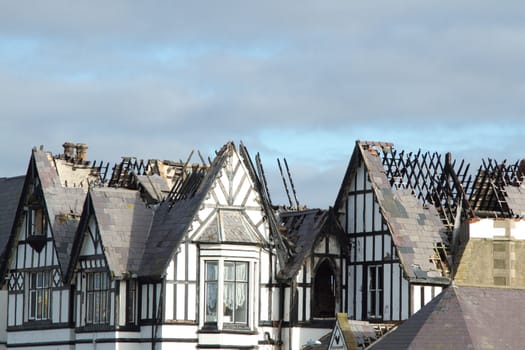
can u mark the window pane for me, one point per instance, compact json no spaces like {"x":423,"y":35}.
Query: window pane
{"x":211,"y":302}
{"x":229,"y":271}
{"x":211,"y":270}
{"x":241,"y":272}
{"x":229,"y":301}
{"x":241,"y":310}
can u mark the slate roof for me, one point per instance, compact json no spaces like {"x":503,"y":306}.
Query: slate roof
{"x":463,"y":317}
{"x":302,"y":230}
{"x":229,"y":225}
{"x":155,"y":186}
{"x":174,"y":216}
{"x":10,"y":191}
{"x":415,"y":229}
{"x":124,"y":221}
{"x":515,"y":199}
{"x":63,"y":205}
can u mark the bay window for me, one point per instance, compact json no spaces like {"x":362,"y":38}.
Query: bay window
{"x":226,"y":293}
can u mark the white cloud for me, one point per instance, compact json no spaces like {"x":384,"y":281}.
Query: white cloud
{"x":295,"y":80}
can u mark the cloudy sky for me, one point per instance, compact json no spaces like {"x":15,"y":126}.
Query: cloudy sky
{"x":297,"y":80}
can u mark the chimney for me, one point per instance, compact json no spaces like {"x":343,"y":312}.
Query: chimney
{"x":81,"y":152}
{"x":69,"y":150}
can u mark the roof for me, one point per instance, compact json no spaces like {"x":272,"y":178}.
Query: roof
{"x":123,"y":221}
{"x":301,"y":231}
{"x":463,"y":317}
{"x":174,"y":216}
{"x":416,"y":228}
{"x":229,"y":226}
{"x":10,"y":191}
{"x":353,"y":334}
{"x":63,"y":204}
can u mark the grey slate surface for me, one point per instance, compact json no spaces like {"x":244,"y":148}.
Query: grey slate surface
{"x":463,"y":317}
{"x":155,"y":185}
{"x":63,"y":205}
{"x":172,"y":220}
{"x":10,"y":191}
{"x":123,"y":221}
{"x":415,"y":229}
{"x":302,"y":229}
{"x":229,"y":226}
{"x":516,"y":199}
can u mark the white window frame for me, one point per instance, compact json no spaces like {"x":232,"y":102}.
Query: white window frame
{"x":223,"y":322}
{"x":375,"y":291}
{"x":39,"y":295}
{"x":98,"y":290}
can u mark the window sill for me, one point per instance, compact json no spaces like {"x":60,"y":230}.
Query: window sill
{"x":227,"y":329}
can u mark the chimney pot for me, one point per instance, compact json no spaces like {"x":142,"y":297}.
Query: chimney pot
{"x":69,"y":150}
{"x":81,"y":152}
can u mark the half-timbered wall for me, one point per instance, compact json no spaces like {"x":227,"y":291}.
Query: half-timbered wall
{"x":378,"y":290}
{"x":36,"y":291}
{"x":96,"y":292}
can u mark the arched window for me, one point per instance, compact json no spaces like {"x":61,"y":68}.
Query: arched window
{"x":324,"y":291}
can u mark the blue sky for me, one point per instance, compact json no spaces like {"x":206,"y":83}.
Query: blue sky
{"x":295,"y":80}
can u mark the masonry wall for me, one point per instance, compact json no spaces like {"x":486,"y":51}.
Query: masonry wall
{"x":491,"y":253}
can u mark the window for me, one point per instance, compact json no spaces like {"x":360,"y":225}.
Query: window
{"x":35,"y":221}
{"x":235,"y":292}
{"x":375,"y":291}
{"x":39,"y":295}
{"x":131,"y":301}
{"x":210,"y":290}
{"x":97,"y":295}
{"x":324,"y":291}
{"x":231,"y":287}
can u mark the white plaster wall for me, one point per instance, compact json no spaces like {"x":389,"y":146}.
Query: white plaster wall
{"x":3,"y":318}
{"x":57,"y":336}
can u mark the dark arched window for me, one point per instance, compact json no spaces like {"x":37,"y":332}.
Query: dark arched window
{"x":324,"y":290}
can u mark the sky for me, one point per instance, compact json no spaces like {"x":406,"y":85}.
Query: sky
{"x":301,"y":80}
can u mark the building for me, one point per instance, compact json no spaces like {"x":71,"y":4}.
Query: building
{"x":171,"y":254}
{"x":158,"y":254}
{"x":398,"y":257}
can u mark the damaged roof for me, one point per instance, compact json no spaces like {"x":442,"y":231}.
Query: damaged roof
{"x":63,"y":204}
{"x":301,"y":231}
{"x":416,"y":227}
{"x":174,"y":216}
{"x":462,"y":317}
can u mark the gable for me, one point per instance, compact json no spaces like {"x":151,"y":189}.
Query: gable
{"x":374,"y":202}
{"x":231,"y":210}
{"x":193,"y":204}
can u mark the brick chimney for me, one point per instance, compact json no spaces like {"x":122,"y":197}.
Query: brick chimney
{"x":81,"y":152}
{"x":69,"y":150}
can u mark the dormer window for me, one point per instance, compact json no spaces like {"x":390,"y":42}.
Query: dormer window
{"x":35,"y":227}
{"x":35,"y":221}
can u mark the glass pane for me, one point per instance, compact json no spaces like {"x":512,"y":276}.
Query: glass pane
{"x":229,"y":301}
{"x":211,"y":302}
{"x":211,"y":270}
{"x":229,"y":271}
{"x":241,"y":309}
{"x":32,"y":308}
{"x":241,"y":271}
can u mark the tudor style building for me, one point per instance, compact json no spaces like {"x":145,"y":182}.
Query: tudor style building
{"x":399,"y":240}
{"x":161,"y":254}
